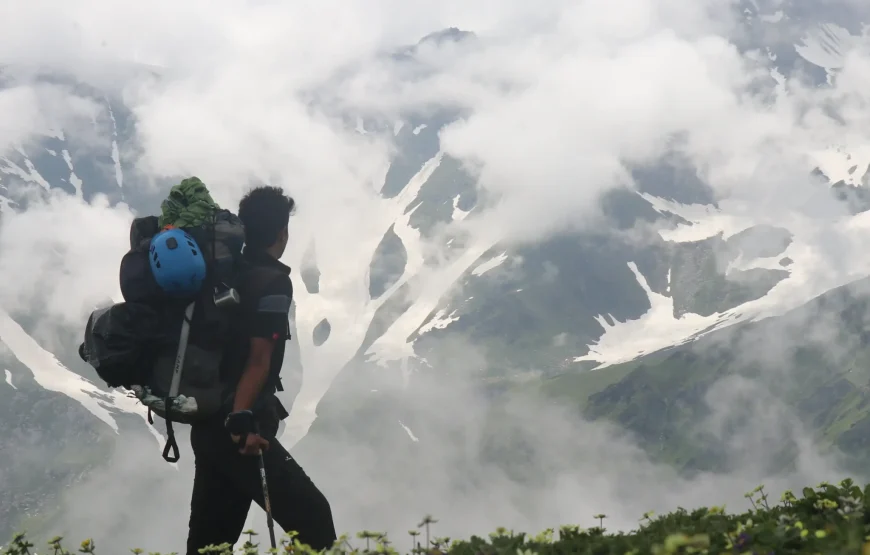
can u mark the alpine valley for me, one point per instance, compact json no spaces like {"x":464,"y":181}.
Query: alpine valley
{"x":669,"y":326}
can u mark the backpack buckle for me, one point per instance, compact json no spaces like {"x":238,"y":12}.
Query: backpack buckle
{"x":227,"y":297}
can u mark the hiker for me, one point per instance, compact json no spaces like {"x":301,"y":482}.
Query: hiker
{"x":226,"y":447}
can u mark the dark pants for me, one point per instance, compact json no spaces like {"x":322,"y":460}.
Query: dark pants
{"x":226,"y":482}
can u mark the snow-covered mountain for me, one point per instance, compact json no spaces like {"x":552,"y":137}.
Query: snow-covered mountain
{"x":574,"y":301}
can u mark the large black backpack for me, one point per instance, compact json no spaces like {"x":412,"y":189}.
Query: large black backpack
{"x":170,"y":351}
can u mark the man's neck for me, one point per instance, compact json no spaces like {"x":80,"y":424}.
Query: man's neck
{"x":275,"y":252}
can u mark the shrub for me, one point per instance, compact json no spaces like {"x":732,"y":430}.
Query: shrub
{"x":826,"y":519}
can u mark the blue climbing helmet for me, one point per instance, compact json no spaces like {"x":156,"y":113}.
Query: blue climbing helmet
{"x":177,"y":262}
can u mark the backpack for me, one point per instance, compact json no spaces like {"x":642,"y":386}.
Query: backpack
{"x":169,"y":350}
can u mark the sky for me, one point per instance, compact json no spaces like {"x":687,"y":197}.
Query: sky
{"x":557,"y":102}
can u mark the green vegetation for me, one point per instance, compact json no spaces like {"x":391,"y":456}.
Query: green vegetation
{"x":829,"y":519}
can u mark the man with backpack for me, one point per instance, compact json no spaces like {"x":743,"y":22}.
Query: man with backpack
{"x":199,"y":338}
{"x":226,"y":447}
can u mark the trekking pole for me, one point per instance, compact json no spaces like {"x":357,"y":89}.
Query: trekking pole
{"x":266,"y":503}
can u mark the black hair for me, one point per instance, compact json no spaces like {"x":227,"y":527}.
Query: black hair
{"x":265,"y":211}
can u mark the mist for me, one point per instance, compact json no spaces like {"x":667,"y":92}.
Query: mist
{"x":557,"y":104}
{"x":444,"y":446}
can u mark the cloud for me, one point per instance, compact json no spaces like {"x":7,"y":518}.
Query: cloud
{"x":557,"y":101}
{"x":60,"y":257}
{"x":42,"y":109}
{"x":525,"y":464}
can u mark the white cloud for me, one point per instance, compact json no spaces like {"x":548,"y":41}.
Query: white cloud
{"x":61,"y":256}
{"x":559,"y":97}
{"x":42,"y":109}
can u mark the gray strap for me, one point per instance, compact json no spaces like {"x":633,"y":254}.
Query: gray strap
{"x":182,"y":348}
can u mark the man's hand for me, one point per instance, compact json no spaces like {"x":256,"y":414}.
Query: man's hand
{"x":241,"y":424}
{"x":253,"y":444}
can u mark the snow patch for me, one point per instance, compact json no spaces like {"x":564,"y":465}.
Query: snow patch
{"x":410,"y":433}
{"x":35,"y":176}
{"x":9,"y":378}
{"x":393,"y":345}
{"x":740,"y":264}
{"x":31,"y":175}
{"x":116,"y":154}
{"x":826,"y":45}
{"x":73,"y":178}
{"x":419,"y":128}
{"x":440,"y":321}
{"x":656,"y":329}
{"x":705,"y":220}
{"x":837,"y":162}
{"x":76,"y":183}
{"x":493,"y":262}
{"x":811,"y":274}
{"x":54,"y":376}
{"x":344,"y":297}
{"x":458,"y":213}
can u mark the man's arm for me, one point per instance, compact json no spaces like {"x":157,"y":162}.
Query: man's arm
{"x":268,"y":324}
{"x":255,"y":374}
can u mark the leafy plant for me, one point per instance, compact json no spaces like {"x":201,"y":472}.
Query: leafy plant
{"x":826,"y":519}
